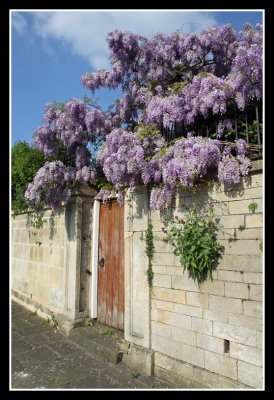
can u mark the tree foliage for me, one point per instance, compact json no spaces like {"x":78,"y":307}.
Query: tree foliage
{"x":26,"y":161}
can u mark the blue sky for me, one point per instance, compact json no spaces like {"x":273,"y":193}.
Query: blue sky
{"x":51,"y":51}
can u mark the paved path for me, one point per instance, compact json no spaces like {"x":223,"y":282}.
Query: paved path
{"x":45,"y":359}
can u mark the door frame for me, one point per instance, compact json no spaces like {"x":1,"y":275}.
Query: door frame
{"x":95,"y":257}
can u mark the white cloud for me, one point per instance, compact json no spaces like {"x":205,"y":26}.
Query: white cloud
{"x":19,"y":23}
{"x":85,"y":32}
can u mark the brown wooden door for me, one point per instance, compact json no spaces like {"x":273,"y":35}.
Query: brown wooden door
{"x":111,"y":266}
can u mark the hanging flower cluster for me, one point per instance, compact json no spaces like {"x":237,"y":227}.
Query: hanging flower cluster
{"x":166,"y":81}
{"x":127,"y":160}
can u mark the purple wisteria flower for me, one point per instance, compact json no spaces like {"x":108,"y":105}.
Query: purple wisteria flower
{"x":175,"y":82}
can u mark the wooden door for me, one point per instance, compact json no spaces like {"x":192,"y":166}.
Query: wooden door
{"x":111,"y":265}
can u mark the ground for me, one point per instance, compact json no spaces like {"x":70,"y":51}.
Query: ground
{"x":43,"y":358}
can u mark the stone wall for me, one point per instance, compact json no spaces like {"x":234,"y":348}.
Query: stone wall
{"x":207,"y":336}
{"x":50,"y":266}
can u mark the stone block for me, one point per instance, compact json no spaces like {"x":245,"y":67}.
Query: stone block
{"x":254,"y":221}
{"x":212,"y":380}
{"x":231,"y":221}
{"x":249,"y":233}
{"x":166,"y":259}
{"x":239,"y":207}
{"x":162,"y":281}
{"x":184,"y":283}
{"x":167,"y":346}
{"x":177,"y":381}
{"x":171,"y":318}
{"x":184,"y":335}
{"x":256,"y":181}
{"x":253,"y":309}
{"x":250,"y":374}
{"x":235,"y":333}
{"x":230,"y":276}
{"x":214,"y":315}
{"x":178,"y":271}
{"x":242,"y":247}
{"x":161,"y":247}
{"x":212,"y":287}
{"x":246,"y":353}
{"x":201,"y":325}
{"x":241,"y":263}
{"x":160,"y":329}
{"x":193,"y":355}
{"x":170,"y":364}
{"x":220,"y":364}
{"x":236,"y":290}
{"x":188,"y":310}
{"x":175,"y":296}
{"x":224,"y":303}
{"x":256,"y":292}
{"x":162,"y":305}
{"x":140,"y":359}
{"x":253,"y":193}
{"x":210,"y":343}
{"x":197,"y":299}
{"x":245,"y":322}
{"x":253,"y":277}
{"x":160,"y":269}
{"x":260,"y":340}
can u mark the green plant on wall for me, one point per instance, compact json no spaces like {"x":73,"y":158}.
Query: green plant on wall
{"x":149,"y":253}
{"x":195,"y":241}
{"x":252,"y":207}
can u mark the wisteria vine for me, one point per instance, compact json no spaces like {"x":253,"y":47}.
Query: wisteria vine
{"x":167,"y":81}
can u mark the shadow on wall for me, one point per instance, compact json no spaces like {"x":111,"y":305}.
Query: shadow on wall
{"x":70,"y":221}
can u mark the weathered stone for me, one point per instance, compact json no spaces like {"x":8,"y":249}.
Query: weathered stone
{"x":253,"y":277}
{"x":186,"y":336}
{"x":250,"y":374}
{"x":213,"y":287}
{"x":140,"y":359}
{"x":235,"y":333}
{"x":176,"y":296}
{"x":245,"y":322}
{"x":254,"y":221}
{"x":167,"y":346}
{"x":220,"y":364}
{"x":210,"y":343}
{"x":225,"y":303}
{"x":188,"y":310}
{"x":256,"y":292}
{"x":253,"y":309}
{"x":214,"y":315}
{"x":239,"y":207}
{"x":162,"y":281}
{"x":236,"y":290}
{"x":253,"y":193}
{"x":246,"y":353}
{"x":162,"y":305}
{"x":241,"y":247}
{"x":202,"y":326}
{"x":160,"y":329}
{"x":173,"y":319}
{"x":184,"y":283}
{"x":197,"y":299}
{"x":193,"y":355}
{"x":241,"y":263}
{"x":230,"y":276}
